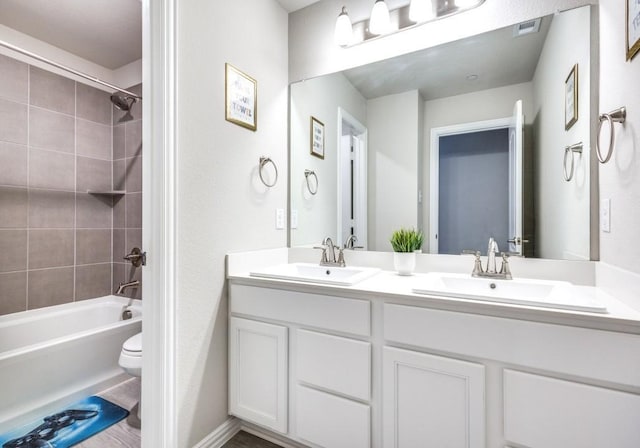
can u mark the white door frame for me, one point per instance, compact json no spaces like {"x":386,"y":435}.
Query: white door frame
{"x":159,"y":215}
{"x":434,"y":165}
{"x":360,"y":175}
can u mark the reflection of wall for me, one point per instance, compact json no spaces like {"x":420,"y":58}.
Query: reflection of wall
{"x":394,"y":125}
{"x":620,"y":178}
{"x":487,"y":104}
{"x":319,"y":97}
{"x":562,"y":231}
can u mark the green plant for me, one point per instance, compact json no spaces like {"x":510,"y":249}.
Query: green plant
{"x":406,"y":240}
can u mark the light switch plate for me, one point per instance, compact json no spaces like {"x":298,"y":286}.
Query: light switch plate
{"x":605,"y":215}
{"x":294,"y":219}
{"x":279,"y":218}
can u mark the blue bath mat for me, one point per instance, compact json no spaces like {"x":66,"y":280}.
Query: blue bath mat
{"x":67,"y":428}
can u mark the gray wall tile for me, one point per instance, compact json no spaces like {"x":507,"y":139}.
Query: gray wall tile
{"x":50,"y":248}
{"x":119,"y":215}
{"x":134,"y":175}
{"x":119,"y":173}
{"x":49,"y":287}
{"x":93,"y":174}
{"x":13,"y":250}
{"x":13,"y":292}
{"x":14,"y":76}
{"x":51,"y":130}
{"x":15,"y":203}
{"x":13,"y":164}
{"x":133,"y":138}
{"x":51,"y":91}
{"x":93,"y":281}
{"x":119,"y":151}
{"x":51,"y":209}
{"x":93,"y":211}
{"x":119,"y":245}
{"x":13,"y":117}
{"x":134,"y":239}
{"x":134,"y":210}
{"x":93,"y":140}
{"x":93,"y":104}
{"x":93,"y":246}
{"x":50,"y":169}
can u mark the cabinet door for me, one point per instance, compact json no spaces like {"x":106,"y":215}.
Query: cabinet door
{"x":258,"y":373}
{"x":432,"y":401}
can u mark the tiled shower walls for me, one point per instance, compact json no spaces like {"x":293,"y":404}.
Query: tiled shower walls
{"x":57,"y":240}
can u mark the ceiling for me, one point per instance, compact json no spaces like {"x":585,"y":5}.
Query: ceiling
{"x":106,"y":32}
{"x":496,"y":58}
{"x":294,"y":5}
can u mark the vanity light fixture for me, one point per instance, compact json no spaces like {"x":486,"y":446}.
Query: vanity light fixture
{"x":384,"y":22}
{"x":380,"y":22}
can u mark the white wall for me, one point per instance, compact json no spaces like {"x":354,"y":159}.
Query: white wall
{"x":394,"y":127}
{"x":620,"y":178}
{"x":562,"y":208}
{"x":312,"y":50}
{"x":483,"y":105}
{"x":222,"y":206}
{"x":321,"y":98}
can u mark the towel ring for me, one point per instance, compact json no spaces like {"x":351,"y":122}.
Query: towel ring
{"x":263,"y":162}
{"x":307,"y":174}
{"x":617,"y":116}
{"x":571,"y":149}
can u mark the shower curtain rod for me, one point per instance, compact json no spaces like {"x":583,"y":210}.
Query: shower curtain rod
{"x":67,"y":69}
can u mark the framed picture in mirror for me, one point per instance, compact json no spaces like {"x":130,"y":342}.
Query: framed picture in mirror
{"x":571,"y":98}
{"x":633,"y":28}
{"x":240,"y":95}
{"x":317,"y":138}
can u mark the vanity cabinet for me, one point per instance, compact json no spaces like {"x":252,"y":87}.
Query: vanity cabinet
{"x":258,"y":373}
{"x":431,"y":401}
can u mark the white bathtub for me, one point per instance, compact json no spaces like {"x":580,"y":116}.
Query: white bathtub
{"x":53,"y":356}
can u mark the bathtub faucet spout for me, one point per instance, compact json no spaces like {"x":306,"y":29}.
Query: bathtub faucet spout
{"x":123,"y":286}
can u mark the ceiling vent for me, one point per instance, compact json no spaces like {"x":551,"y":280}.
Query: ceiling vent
{"x":528,"y":27}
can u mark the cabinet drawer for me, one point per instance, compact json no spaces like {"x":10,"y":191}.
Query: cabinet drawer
{"x":351,"y":316}
{"x":338,"y":364}
{"x":546,"y":412}
{"x":330,"y":421}
{"x":602,"y":355}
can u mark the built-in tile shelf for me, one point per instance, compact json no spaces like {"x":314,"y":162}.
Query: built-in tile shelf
{"x":108,"y":192}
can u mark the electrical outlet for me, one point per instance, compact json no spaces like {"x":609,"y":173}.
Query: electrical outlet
{"x":294,"y":219}
{"x":605,"y":215}
{"x":279,"y":218}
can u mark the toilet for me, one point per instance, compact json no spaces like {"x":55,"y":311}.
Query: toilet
{"x":131,"y":362}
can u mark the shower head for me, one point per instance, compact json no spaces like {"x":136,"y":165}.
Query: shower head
{"x":123,"y":102}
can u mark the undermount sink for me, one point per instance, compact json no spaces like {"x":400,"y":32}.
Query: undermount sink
{"x":314,"y":273}
{"x":542,"y":293}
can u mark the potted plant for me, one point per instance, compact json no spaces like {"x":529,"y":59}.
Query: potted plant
{"x":405,"y":244}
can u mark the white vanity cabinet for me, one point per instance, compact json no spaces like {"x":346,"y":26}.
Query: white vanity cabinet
{"x":324,"y":342}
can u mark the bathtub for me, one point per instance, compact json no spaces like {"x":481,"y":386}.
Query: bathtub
{"x":53,"y":356}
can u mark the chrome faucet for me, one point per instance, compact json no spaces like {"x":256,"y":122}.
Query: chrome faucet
{"x":490,"y":271}
{"x":328,"y":257}
{"x":350,"y":243}
{"x":123,"y":286}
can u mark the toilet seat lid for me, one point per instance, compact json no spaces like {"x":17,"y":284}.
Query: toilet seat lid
{"x":133,"y":344}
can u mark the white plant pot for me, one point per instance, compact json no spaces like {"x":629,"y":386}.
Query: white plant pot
{"x":404,"y":262}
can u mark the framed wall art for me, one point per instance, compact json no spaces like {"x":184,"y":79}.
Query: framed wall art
{"x":317,"y":138}
{"x":633,"y":28}
{"x":571,"y":98}
{"x":241,"y":98}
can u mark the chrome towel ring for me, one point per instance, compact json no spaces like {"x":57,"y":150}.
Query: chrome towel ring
{"x":307,"y":174}
{"x":617,"y":116}
{"x":571,"y":149}
{"x":263,"y":162}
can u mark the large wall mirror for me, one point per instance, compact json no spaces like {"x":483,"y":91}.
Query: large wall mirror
{"x":464,"y":141}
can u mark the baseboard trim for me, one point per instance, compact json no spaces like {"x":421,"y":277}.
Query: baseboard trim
{"x":270,"y":436}
{"x":222,"y":434}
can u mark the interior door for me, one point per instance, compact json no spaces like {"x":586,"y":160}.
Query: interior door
{"x":516,"y":139}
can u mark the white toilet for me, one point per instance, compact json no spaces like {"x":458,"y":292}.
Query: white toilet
{"x":131,"y":361}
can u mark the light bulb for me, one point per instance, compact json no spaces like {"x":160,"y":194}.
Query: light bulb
{"x":420,"y":11}
{"x":379,"y":23}
{"x":344,"y":30}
